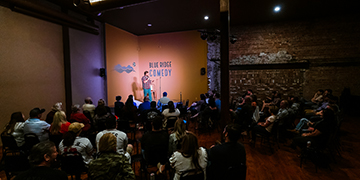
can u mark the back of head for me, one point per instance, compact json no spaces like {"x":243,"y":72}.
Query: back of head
{"x":35,"y":112}
{"x":129,"y":102}
{"x":88,"y":100}
{"x":75,"y":108}
{"x":59,"y":118}
{"x":110,"y":122}
{"x":202,"y":96}
{"x":101,"y":102}
{"x":107,"y":143}
{"x":164,"y":94}
{"x":118,"y":98}
{"x":157,"y":123}
{"x":179,"y":128}
{"x":38,"y":151}
{"x":57,"y":106}
{"x":101,"y":110}
{"x":153,"y":104}
{"x":233,"y":131}
{"x":15,"y":117}
{"x":189,"y":148}
{"x":171,"y":106}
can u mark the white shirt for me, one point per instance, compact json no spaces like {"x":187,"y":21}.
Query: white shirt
{"x":166,"y":113}
{"x":18,"y":133}
{"x":181,"y":163}
{"x":82,"y":145}
{"x":121,"y":141}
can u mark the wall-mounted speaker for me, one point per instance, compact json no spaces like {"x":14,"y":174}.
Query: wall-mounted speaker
{"x":202,"y":71}
{"x":102,"y":72}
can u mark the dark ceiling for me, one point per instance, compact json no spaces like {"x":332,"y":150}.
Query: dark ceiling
{"x":180,"y":15}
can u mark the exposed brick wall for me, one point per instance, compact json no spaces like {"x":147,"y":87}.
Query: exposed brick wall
{"x":331,"y":45}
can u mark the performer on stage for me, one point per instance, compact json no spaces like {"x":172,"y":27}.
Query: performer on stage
{"x":146,"y":85}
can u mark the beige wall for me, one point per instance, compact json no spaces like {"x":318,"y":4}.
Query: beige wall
{"x":185,"y":50}
{"x":31,"y":61}
{"x":121,"y":49}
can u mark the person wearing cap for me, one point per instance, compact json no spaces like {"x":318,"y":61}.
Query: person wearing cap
{"x":37,"y":126}
{"x":163,"y":101}
{"x":72,"y":142}
{"x":110,"y":164}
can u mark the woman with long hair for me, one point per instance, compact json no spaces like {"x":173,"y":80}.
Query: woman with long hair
{"x":129,"y":111}
{"x":60,"y":125}
{"x":190,"y":159}
{"x":15,"y":127}
{"x":175,"y":137}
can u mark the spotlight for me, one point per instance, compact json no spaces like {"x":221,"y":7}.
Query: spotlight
{"x":206,"y":17}
{"x":149,"y":24}
{"x":277,"y":9}
{"x":233,"y":39}
{"x":203,"y":35}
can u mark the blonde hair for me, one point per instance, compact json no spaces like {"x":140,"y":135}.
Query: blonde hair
{"x":179,"y":129}
{"x":59,"y":119}
{"x":107,"y":143}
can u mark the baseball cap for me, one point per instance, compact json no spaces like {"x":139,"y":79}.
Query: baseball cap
{"x":36,"y":111}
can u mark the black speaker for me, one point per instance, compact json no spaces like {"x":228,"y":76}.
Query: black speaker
{"x":202,"y":71}
{"x":102,"y":72}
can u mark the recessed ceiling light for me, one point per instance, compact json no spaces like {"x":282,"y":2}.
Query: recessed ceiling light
{"x":206,"y":17}
{"x":149,"y":24}
{"x":277,"y":8}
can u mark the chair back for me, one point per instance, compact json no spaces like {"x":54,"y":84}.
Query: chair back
{"x":72,"y":163}
{"x":171,"y":121}
{"x":30,"y":140}
{"x":236,"y":172}
{"x":192,"y":174}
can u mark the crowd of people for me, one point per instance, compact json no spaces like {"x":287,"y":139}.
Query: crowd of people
{"x":101,"y":137}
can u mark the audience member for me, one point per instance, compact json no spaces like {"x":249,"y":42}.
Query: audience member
{"x":37,"y":126}
{"x":145,"y":105}
{"x":149,"y":115}
{"x":15,"y":127}
{"x":163,"y":102}
{"x":218,"y":101}
{"x":73,"y":143}
{"x":42,"y":155}
{"x":89,"y":106}
{"x":175,"y":137}
{"x":121,"y":137}
{"x":118,"y":105}
{"x":58,"y":127}
{"x":100,"y":117}
{"x":77,"y":116}
{"x":318,"y":97}
{"x":129,"y":111}
{"x":273,"y":101}
{"x":228,"y":154}
{"x":190,"y":159}
{"x":110,"y":165}
{"x":265,"y":127}
{"x":50,"y":116}
{"x":170,"y":112}
{"x":155,"y":144}
{"x":101,"y":103}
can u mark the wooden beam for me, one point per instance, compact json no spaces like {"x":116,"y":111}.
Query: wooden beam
{"x":302,"y":65}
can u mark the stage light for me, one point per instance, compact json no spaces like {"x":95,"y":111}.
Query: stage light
{"x":206,"y":17}
{"x":203,"y":35}
{"x":233,"y":39}
{"x":277,"y":9}
{"x":149,"y":25}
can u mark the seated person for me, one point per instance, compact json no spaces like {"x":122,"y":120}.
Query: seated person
{"x":155,"y":143}
{"x":15,"y":127}
{"x":225,"y":155}
{"x":318,"y":97}
{"x":56,"y":107}
{"x":118,"y":105}
{"x":89,"y":106}
{"x":265,"y":127}
{"x":190,"y":159}
{"x":163,"y":102}
{"x":176,"y":135}
{"x":100,"y":118}
{"x":42,"y":155}
{"x":77,"y":116}
{"x":148,"y":115}
{"x":129,"y":111}
{"x":273,"y":101}
{"x":145,"y":105}
{"x":169,"y":112}
{"x":37,"y":126}
{"x":318,"y":134}
{"x":73,"y":143}
{"x":102,"y":102}
{"x":110,"y":164}
{"x":121,"y":137}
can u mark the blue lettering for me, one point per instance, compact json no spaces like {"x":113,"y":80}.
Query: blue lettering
{"x":150,"y":73}
{"x":158,"y":72}
{"x":169,"y":72}
{"x":156,"y":64}
{"x":166,"y":72}
{"x":150,"y":65}
{"x":169,"y":63}
{"x":162,"y":72}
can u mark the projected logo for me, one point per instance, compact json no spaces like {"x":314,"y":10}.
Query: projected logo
{"x":121,"y":69}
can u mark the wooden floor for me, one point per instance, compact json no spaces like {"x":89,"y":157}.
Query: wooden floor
{"x":284,"y":163}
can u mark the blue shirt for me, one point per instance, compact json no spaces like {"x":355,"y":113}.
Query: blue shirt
{"x":38,"y":127}
{"x":144,"y":106}
{"x":218,"y":104}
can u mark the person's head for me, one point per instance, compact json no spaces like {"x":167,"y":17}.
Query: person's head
{"x":202,"y":96}
{"x":15,"y":117}
{"x":76,"y":127}
{"x":130,"y":100}
{"x":146,"y":98}
{"x":189,"y":148}
{"x":57,"y":106}
{"x":146,"y":73}
{"x":43,"y":154}
{"x":36,"y":113}
{"x":107,"y":143}
{"x":73,"y":131}
{"x":59,"y":118}
{"x":217,"y":95}
{"x":110,"y":122}
{"x":284,"y":104}
{"x":101,"y":111}
{"x":328,"y":91}
{"x":171,"y":106}
{"x":179,"y":128}
{"x":153,"y":105}
{"x":320,"y":92}
{"x":75,"y":108}
{"x":273,"y":110}
{"x":118,"y":98}
{"x":101,"y":102}
{"x":157,"y":123}
{"x":164,"y":94}
{"x":232,"y":132}
{"x":88,"y":100}
{"x":249,"y":92}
